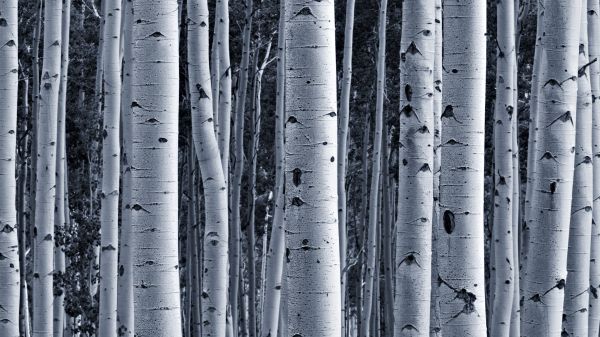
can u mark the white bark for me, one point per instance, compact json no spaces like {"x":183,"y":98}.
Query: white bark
{"x":46,"y":169}
{"x":311,"y":183}
{"x":214,"y":290}
{"x":125,"y":319}
{"x":593,"y":7}
{"x":154,"y":190}
{"x":546,"y":269}
{"x":415,"y":180}
{"x":9,"y":241}
{"x":224,"y":99}
{"x":576,"y":303}
{"x":111,"y":152}
{"x":460,"y":236}
{"x":504,"y":112}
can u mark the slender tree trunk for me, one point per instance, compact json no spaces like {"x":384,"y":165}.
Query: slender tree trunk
{"x":154,"y":220}
{"x":415,"y":199}
{"x":460,"y":236}
{"x":546,"y":269}
{"x":593,"y":7}
{"x":387,"y":223}
{"x":125,"y":319}
{"x":274,"y":269}
{"x":46,"y":172}
{"x":503,"y":171}
{"x":373,"y":234}
{"x":214,"y":290}
{"x":9,"y":239}
{"x":35,"y":69}
{"x":576,"y":303}
{"x":312,"y":237}
{"x":344,"y":118}
{"x":111,"y":152}
{"x":224,"y":97}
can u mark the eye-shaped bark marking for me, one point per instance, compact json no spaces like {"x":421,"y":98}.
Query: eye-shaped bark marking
{"x":566,"y":117}
{"x":449,"y":221}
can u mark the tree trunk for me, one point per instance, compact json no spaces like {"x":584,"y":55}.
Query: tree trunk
{"x":154,"y":221}
{"x":415,"y":185}
{"x":9,"y":240}
{"x":546,"y":268}
{"x":311,"y":184}
{"x":111,"y":152}
{"x":125,"y":319}
{"x":224,"y":98}
{"x":461,"y":281}
{"x":503,"y":172}
{"x":214,"y":290}
{"x":46,"y":172}
{"x":576,"y":303}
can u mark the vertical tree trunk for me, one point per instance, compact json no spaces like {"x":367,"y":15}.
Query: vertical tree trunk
{"x":546,"y":269}
{"x":387,"y":223}
{"x":576,"y":303}
{"x":311,"y":184}
{"x":61,"y":167}
{"x":35,"y":69}
{"x":224,"y":98}
{"x":214,"y":290}
{"x":504,"y":112}
{"x":344,"y":118}
{"x":415,"y":185}
{"x":154,"y":220}
{"x":46,"y":169}
{"x":111,"y":152}
{"x":373,"y":233}
{"x":593,"y":7}
{"x":460,"y":235}
{"x":125,"y":319}
{"x":9,"y":240}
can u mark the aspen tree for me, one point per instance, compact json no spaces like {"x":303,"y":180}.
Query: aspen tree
{"x":593,"y":10}
{"x":43,"y":264}
{"x":224,"y":97}
{"x":576,"y":303}
{"x":312,"y":245}
{"x":460,"y":281}
{"x":372,"y":267}
{"x":9,"y":241}
{"x":504,"y":112}
{"x":415,"y":180}
{"x":125,"y":321}
{"x":546,"y":267}
{"x":111,"y":152}
{"x":154,"y":190}
{"x":214,"y":288}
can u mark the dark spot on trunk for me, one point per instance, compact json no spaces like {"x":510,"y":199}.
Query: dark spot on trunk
{"x":553,"y":187}
{"x":449,"y":221}
{"x":296,"y":176}
{"x":157,"y":34}
{"x":408,"y":92}
{"x":296,"y":201}
{"x":162,"y":140}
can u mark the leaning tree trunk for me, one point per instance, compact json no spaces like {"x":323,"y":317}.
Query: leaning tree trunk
{"x":593,"y":7}
{"x":43,"y":264}
{"x":214,"y":290}
{"x":576,"y":303}
{"x":312,"y":243}
{"x":504,"y":112}
{"x":374,"y":212}
{"x":154,"y":154}
{"x":546,"y":267}
{"x":9,"y":241}
{"x":461,"y":281}
{"x":125,"y":323}
{"x":415,"y":178}
{"x":111,"y":152}
{"x":61,"y":167}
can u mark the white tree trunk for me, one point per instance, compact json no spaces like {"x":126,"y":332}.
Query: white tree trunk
{"x":593,"y":7}
{"x":154,"y":190}
{"x":125,"y":319}
{"x":111,"y":152}
{"x":224,"y":98}
{"x":546,"y":267}
{"x":504,"y":112}
{"x":415,"y":180}
{"x":311,"y":183}
{"x":576,"y":303}
{"x":214,"y":290}
{"x":461,"y":239}
{"x":43,"y":265}
{"x":9,"y":241}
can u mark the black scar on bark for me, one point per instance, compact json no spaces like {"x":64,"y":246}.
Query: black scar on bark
{"x":449,"y":113}
{"x":553,"y":187}
{"x":408,"y":92}
{"x":449,"y":223}
{"x":202,"y":94}
{"x":287,"y":254}
{"x":3,"y":22}
{"x":305,"y":11}
{"x":157,"y":34}
{"x":296,"y":176}
{"x":296,"y":201}
{"x":566,"y":117}
{"x":548,"y":155}
{"x":425,"y":168}
{"x":424,"y":129}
